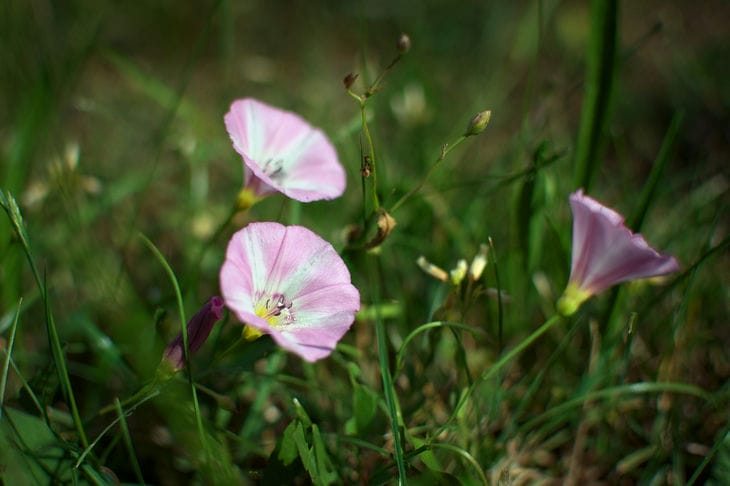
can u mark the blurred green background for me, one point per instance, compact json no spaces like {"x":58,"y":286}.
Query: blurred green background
{"x":111,"y":124}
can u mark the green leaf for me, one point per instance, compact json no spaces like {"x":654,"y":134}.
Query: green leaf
{"x":324,"y":471}
{"x":300,"y":440}
{"x":31,"y":453}
{"x":365,"y":404}
{"x":288,"y":446}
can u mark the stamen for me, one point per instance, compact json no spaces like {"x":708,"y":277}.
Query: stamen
{"x":277,"y":311}
{"x":274,"y":168}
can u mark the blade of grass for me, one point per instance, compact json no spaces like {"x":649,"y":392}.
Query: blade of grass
{"x":647,"y":196}
{"x":524,"y":344}
{"x":128,"y":441}
{"x":8,"y":353}
{"x":7,"y":201}
{"x":600,"y":77}
{"x":388,"y":389}
{"x":614,"y":392}
{"x":657,"y":169}
{"x":425,"y":327}
{"x":500,"y":308}
{"x":114,"y":422}
{"x":464,"y":455}
{"x":26,"y":386}
{"x":716,"y":447}
{"x":183,"y":329}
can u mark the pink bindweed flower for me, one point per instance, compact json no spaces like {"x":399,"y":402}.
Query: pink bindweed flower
{"x":288,"y":282}
{"x":198,"y":330}
{"x":605,"y":253}
{"x":282,"y":153}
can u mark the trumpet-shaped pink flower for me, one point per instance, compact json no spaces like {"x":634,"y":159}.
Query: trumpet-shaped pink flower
{"x":198,"y":330}
{"x":282,"y":152}
{"x":605,"y":252}
{"x":288,"y":282}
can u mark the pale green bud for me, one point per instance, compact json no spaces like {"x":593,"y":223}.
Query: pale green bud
{"x":478,"y":123}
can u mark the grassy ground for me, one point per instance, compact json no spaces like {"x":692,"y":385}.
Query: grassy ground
{"x":111,"y":126}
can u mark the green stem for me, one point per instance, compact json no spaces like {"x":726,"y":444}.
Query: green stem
{"x":376,"y":85}
{"x":444,"y":152}
{"x":371,"y":154}
{"x":184,"y":332}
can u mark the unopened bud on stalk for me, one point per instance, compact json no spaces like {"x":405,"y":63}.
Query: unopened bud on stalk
{"x":404,"y":43}
{"x":431,"y":269}
{"x":349,"y":80}
{"x":459,"y":272}
{"x":478,"y":123}
{"x":477,"y":265}
{"x":198,"y":329}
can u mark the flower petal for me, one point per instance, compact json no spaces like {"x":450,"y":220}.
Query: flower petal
{"x":284,"y":152}
{"x":266,"y":261}
{"x":605,"y":252}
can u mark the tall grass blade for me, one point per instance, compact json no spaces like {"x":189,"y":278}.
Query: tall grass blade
{"x":657,"y":169}
{"x":464,"y":454}
{"x":7,"y":201}
{"x":128,"y":441}
{"x":183,"y":329}
{"x":600,"y":77}
{"x":391,"y":399}
{"x":6,"y":363}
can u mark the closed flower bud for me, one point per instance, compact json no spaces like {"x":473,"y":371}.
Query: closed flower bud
{"x":198,"y":330}
{"x":404,"y":43}
{"x":477,"y":265}
{"x":431,"y":269}
{"x":478,"y":123}
{"x":459,"y":272}
{"x":349,"y":80}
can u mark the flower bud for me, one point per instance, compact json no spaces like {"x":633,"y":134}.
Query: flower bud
{"x":477,"y":265}
{"x":431,"y":269}
{"x":458,"y":273}
{"x":478,"y":123}
{"x":349,"y":80}
{"x":198,"y":330}
{"x":404,"y":43}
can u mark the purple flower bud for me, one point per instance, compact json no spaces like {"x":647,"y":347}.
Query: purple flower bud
{"x":198,"y":329}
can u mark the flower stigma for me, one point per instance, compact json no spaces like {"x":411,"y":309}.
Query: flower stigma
{"x":276,"y":310}
{"x":274,"y":169}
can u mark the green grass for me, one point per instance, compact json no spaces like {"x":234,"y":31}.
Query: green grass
{"x":111,"y":126}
